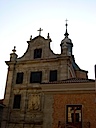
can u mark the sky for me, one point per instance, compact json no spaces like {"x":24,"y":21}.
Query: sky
{"x":21,"y":18}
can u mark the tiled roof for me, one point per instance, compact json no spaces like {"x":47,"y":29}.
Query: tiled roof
{"x":71,"y":80}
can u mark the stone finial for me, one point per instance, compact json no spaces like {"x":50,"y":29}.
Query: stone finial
{"x":14,"y":50}
{"x":48,"y":37}
{"x":13,"y":56}
{"x":30,"y":37}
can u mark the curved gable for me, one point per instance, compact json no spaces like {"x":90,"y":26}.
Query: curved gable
{"x":38,"y":43}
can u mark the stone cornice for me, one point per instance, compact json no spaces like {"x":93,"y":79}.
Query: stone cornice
{"x":60,"y":58}
{"x":61,"y":88}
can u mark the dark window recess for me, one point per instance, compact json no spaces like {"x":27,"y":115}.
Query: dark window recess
{"x":19,"y":78}
{"x":53,"y":75}
{"x":37,"y":53}
{"x":74,"y":114}
{"x":17,"y":100}
{"x":36,"y":77}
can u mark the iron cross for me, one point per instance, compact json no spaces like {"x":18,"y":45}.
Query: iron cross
{"x":66,"y":21}
{"x":40,"y":31}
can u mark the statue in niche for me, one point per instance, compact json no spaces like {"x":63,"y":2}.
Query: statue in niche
{"x":34,"y":102}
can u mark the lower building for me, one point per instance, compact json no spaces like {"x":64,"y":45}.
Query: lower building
{"x":73,"y":104}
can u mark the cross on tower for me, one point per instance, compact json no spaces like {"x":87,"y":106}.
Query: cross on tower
{"x":66,"y":23}
{"x":66,"y":33}
{"x":66,"y":20}
{"x":40,"y":31}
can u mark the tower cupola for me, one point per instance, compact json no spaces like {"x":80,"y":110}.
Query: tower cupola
{"x":66,"y":41}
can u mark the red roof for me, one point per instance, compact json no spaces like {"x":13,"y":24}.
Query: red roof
{"x":71,"y":80}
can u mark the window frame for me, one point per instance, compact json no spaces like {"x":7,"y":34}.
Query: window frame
{"x":17,"y":104}
{"x":53,"y":72}
{"x":34,"y":74}
{"x":76,"y":109}
{"x":37,"y":53}
{"x":19,"y":77}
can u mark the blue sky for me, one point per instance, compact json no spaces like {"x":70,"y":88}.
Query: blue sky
{"x":21,"y":18}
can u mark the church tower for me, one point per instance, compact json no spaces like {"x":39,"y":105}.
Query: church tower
{"x":66,"y":43}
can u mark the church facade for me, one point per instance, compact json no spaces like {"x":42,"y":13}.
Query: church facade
{"x":48,"y":90}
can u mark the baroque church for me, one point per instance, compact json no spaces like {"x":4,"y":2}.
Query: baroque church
{"x":48,"y":90}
